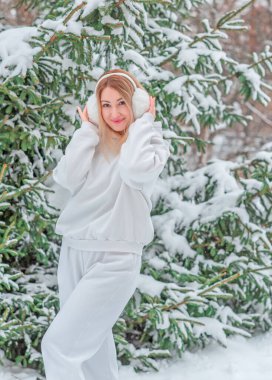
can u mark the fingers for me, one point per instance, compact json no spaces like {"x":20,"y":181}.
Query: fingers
{"x":83,"y":115}
{"x":152,"y":105}
{"x":85,"y":111}
{"x":152,"y":101}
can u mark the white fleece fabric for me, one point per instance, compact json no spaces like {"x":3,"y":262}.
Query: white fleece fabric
{"x":109,"y":208}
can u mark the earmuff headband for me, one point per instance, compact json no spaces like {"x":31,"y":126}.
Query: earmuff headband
{"x":120,"y":74}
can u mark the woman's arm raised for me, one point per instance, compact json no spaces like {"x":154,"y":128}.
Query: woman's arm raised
{"x":145,"y":152}
{"x":72,"y":169}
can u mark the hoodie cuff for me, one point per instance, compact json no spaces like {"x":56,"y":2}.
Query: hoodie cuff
{"x":148,"y":116}
{"x":87,"y":125}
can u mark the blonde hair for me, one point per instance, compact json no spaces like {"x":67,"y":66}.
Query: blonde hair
{"x":126,"y":89}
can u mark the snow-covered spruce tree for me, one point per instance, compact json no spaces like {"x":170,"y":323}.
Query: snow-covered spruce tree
{"x":25,"y":248}
{"x":199,"y":274}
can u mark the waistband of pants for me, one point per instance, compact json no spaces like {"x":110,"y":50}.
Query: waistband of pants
{"x":104,"y":245}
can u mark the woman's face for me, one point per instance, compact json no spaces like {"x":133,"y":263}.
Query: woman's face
{"x":115,"y":111}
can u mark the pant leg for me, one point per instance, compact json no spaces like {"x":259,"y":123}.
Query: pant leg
{"x":71,"y":268}
{"x":87,"y":315}
{"x":103,"y":365}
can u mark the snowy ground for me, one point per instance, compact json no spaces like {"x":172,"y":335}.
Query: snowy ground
{"x":244,"y":359}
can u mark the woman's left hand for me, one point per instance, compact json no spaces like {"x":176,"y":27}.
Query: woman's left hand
{"x":152,"y":106}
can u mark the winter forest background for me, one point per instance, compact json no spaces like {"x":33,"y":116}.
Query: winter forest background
{"x":207,"y":274}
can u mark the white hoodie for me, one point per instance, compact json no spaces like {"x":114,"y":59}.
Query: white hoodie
{"x":109,"y":208}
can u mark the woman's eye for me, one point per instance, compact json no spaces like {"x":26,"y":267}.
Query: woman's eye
{"x":106,"y":105}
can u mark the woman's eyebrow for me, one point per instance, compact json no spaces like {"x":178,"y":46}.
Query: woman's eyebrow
{"x":103,"y":100}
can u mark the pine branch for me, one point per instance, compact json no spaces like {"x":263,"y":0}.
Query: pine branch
{"x":56,"y":34}
{"x":259,"y":113}
{"x":231,"y":14}
{"x":5,"y":196}
{"x":238,"y":74}
{"x":188,"y":299}
{"x":4,"y":168}
{"x":228,"y":16}
{"x":261,"y":61}
{"x":163,"y":2}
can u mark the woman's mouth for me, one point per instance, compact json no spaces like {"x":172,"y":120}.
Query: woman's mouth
{"x":117,"y":121}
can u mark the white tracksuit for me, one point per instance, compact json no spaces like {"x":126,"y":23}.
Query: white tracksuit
{"x":105,"y":225}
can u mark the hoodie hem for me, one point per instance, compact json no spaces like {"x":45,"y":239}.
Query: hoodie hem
{"x":104,"y":245}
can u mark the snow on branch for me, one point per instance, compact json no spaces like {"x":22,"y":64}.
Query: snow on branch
{"x":16,"y":53}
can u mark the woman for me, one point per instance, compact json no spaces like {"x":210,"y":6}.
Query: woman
{"x":110,"y":168}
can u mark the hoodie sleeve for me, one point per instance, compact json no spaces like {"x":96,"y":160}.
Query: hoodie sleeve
{"x":145,"y":152}
{"x":72,"y":169}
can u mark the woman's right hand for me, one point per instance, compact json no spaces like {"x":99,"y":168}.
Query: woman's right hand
{"x":83,"y":115}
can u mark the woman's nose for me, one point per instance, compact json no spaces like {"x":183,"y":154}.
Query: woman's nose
{"x":114,"y":111}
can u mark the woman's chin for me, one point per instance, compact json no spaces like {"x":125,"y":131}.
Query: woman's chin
{"x":112,"y":133}
{"x":118,"y":130}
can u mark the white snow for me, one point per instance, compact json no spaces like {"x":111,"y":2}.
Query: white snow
{"x":150,"y":286}
{"x":16,"y":54}
{"x":91,"y":5}
{"x":254,"y":81}
{"x":243,"y":359}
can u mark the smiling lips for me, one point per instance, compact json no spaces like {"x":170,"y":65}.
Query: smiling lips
{"x":117,"y":121}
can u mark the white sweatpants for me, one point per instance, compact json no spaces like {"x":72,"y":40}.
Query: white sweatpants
{"x":94,"y":288}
